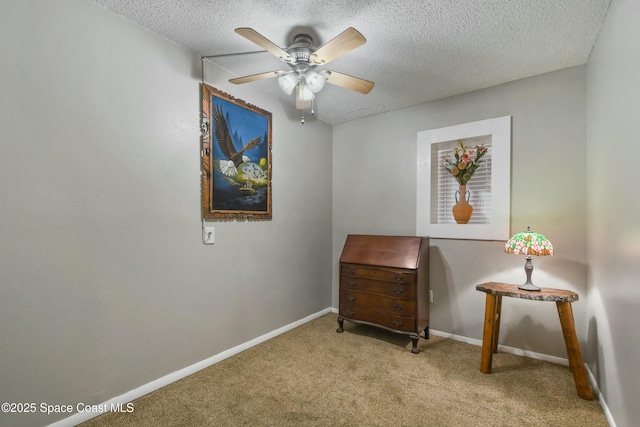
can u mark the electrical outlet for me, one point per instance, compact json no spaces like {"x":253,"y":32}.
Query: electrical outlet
{"x":209,"y":235}
{"x":430,"y":296}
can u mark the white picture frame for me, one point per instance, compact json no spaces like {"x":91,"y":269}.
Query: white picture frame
{"x":499,"y":130}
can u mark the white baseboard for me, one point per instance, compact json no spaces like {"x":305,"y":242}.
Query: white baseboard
{"x":603,"y":402}
{"x":123,"y":399}
{"x":503,"y":348}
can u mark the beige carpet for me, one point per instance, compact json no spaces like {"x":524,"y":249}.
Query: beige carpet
{"x":313,"y":376}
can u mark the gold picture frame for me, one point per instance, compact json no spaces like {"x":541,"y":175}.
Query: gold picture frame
{"x":236,"y":158}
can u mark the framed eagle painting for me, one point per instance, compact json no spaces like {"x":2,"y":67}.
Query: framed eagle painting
{"x":236,"y":158}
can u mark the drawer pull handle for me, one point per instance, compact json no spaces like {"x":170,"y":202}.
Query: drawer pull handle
{"x":398,"y":307}
{"x":398,"y":291}
{"x":397,"y":323}
{"x":351,"y":284}
{"x":351,"y":272}
{"x":351,"y":298}
{"x":399,"y":278}
{"x":350,"y":313}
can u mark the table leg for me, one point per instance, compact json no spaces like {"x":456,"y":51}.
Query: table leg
{"x":573,"y":350}
{"x":496,"y":325}
{"x":488,"y":334}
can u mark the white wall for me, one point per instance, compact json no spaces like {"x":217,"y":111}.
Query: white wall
{"x":374,"y":186}
{"x":104,"y":282}
{"x":613,"y":317}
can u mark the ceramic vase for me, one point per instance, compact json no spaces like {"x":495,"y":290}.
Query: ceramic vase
{"x":462,"y":210}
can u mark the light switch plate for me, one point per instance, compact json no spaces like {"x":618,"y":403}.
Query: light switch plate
{"x":209,"y":235}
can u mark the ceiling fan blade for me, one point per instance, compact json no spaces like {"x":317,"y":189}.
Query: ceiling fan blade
{"x":344,"y":42}
{"x":254,"y":36}
{"x":349,"y":82}
{"x":254,"y":77}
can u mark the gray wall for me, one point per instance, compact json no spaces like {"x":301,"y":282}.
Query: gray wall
{"x":613,"y":89}
{"x":104,"y":282}
{"x":374,"y":190}
{"x":105,"y":285}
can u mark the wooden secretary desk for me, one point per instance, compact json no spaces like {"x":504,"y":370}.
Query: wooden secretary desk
{"x":384,"y":282}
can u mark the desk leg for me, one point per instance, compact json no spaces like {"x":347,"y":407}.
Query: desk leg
{"x":488,"y":333}
{"x":573,"y":350}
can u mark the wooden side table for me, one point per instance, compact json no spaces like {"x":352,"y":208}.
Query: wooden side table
{"x":563,"y":299}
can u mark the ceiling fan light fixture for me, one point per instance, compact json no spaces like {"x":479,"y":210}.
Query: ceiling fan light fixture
{"x":288,"y":83}
{"x":314,"y":80}
{"x":305,"y":93}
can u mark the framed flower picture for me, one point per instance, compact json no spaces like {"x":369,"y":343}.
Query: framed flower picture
{"x":463,"y":181}
{"x":236,"y":158}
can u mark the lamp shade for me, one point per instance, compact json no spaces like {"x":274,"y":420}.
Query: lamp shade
{"x":529,"y":243}
{"x":314,"y":80}
{"x":304,"y":93}
{"x":288,"y":82}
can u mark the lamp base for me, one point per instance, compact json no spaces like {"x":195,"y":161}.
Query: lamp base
{"x":528,"y":268}
{"x":529,"y":287}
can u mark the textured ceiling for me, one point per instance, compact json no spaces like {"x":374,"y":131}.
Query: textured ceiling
{"x":416,"y":51}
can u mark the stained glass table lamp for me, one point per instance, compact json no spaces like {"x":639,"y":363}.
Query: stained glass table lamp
{"x":529,"y":243}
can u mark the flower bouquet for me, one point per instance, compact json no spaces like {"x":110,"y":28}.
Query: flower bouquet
{"x":463,"y":165}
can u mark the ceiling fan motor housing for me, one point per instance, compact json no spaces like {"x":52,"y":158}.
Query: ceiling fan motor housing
{"x":301,"y":51}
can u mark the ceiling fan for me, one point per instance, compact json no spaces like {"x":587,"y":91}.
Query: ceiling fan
{"x":303,"y":58}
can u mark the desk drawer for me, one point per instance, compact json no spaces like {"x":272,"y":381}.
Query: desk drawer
{"x":390,"y":305}
{"x":378,"y":317}
{"x":391,"y":289}
{"x":379,"y":273}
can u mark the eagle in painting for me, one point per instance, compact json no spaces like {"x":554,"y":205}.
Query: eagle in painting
{"x":234,"y":157}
